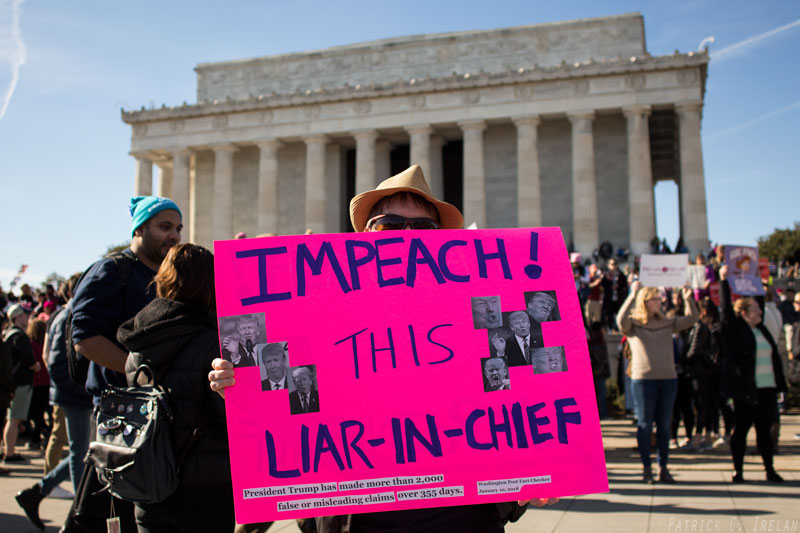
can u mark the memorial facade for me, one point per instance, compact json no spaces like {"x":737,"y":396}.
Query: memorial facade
{"x":565,"y":124}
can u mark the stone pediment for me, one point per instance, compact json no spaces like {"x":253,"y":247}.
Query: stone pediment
{"x":424,"y":56}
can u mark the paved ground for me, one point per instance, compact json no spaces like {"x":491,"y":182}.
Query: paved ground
{"x":703,"y":500}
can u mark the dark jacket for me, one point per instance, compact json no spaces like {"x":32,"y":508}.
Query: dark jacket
{"x":63,"y":390}
{"x":21,"y":355}
{"x":103,"y":300}
{"x":740,"y":350}
{"x":178,"y":342}
{"x":7,"y":385}
{"x":699,"y":358}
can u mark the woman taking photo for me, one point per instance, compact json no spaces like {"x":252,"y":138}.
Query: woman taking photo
{"x":655,"y":381}
{"x":176,"y":336}
{"x":754,"y":377}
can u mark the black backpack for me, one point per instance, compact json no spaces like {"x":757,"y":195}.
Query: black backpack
{"x":77,"y":364}
{"x":132,"y":448}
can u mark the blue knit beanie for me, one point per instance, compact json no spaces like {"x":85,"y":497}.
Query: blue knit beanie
{"x":143,"y":208}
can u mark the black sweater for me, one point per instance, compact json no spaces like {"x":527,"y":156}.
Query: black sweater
{"x":178,"y":342}
{"x":740,"y":350}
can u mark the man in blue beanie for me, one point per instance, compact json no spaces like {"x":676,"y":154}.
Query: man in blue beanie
{"x":110,"y":292}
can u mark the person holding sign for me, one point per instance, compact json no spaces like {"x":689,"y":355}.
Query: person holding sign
{"x":655,"y":381}
{"x":405,"y":201}
{"x":755,"y":376}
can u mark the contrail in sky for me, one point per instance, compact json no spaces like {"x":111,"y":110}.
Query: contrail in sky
{"x":12,"y":49}
{"x":744,"y":125}
{"x":751,"y":41}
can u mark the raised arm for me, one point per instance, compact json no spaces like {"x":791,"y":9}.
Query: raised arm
{"x":691,"y":314}
{"x":725,"y":305}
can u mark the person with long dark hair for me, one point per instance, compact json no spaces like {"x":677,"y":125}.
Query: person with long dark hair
{"x":701,"y":358}
{"x":754,"y":377}
{"x":176,"y":336}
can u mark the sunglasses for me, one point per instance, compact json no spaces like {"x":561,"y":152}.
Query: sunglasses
{"x":393,"y":222}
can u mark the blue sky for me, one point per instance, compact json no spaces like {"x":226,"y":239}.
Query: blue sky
{"x":65,"y":172}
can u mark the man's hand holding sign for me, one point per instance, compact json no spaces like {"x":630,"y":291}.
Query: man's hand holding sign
{"x":388,"y":335}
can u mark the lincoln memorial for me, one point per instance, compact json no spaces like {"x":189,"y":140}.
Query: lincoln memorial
{"x":565,"y":124}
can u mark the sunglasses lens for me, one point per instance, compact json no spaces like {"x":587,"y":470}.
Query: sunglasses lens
{"x":387,"y":226}
{"x":397,"y":222}
{"x":421,"y":223}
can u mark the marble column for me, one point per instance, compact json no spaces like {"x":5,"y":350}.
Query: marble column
{"x":143,"y":182}
{"x":268,"y":205}
{"x":223,"y":191}
{"x":474,"y":173}
{"x":365,"y":160}
{"x":584,"y":188}
{"x":164,"y":178}
{"x":694,"y":219}
{"x":334,"y":189}
{"x":181,"y":163}
{"x":383,"y":160}
{"x":529,"y":204}
{"x":315,"y":183}
{"x":640,"y":180}
{"x":420,"y":136}
{"x":436,"y":177}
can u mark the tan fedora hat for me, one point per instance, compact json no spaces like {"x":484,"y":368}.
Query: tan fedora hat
{"x":410,"y":180}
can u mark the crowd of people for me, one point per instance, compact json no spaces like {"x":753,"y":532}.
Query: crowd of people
{"x":154,"y":303}
{"x":716,"y":367}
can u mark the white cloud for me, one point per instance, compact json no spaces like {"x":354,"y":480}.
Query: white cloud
{"x":750,"y":42}
{"x":12,"y":49}
{"x":743,"y":125}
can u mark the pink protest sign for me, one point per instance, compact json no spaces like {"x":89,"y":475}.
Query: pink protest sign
{"x":404,"y":369}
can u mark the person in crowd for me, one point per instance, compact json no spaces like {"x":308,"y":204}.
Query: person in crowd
{"x":683,"y":409}
{"x":701,"y":358}
{"x":48,"y":308}
{"x":176,"y":336}
{"x":593,"y":310}
{"x":404,"y":201}
{"x":788,"y":311}
{"x":581,"y":276}
{"x":110,"y":292}
{"x":27,"y":296}
{"x":754,"y":374}
{"x":598,"y":353}
{"x":655,"y":382}
{"x":615,"y":289}
{"x":70,"y":402}
{"x":7,"y":385}
{"x":41,"y":298}
{"x":40,"y":404}
{"x":495,"y":374}
{"x":274,"y":361}
{"x":25,"y":365}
